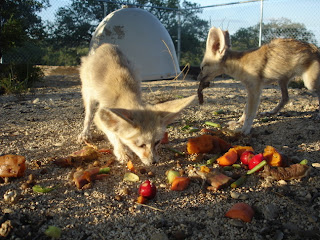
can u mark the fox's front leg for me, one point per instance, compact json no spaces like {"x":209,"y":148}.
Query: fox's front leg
{"x":89,"y":113}
{"x":251,"y":108}
{"x":119,"y":149}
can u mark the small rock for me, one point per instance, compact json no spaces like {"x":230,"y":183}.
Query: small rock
{"x":316,"y":165}
{"x":243,"y":196}
{"x":236,"y":223}
{"x":159,"y":236}
{"x":5,"y":228}
{"x":11,"y":196}
{"x":35,"y":100}
{"x":270,"y":211}
{"x":235,"y":195}
{"x":118,"y":198}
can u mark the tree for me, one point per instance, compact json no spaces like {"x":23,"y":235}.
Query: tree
{"x":19,"y":22}
{"x":246,"y":38}
{"x":75,"y":24}
{"x":285,"y":28}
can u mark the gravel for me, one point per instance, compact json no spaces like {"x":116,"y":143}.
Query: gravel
{"x":44,"y":123}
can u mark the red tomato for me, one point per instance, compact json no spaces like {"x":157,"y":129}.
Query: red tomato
{"x":147,"y":190}
{"x":246,"y":157}
{"x":256,"y":160}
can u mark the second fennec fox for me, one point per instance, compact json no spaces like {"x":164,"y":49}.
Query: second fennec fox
{"x":109,"y":80}
{"x":280,"y":60}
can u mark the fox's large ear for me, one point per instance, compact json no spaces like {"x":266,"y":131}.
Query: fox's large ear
{"x":218,"y":41}
{"x":171,"y":109}
{"x":115,"y":119}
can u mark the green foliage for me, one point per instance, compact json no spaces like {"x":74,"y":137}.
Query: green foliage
{"x":16,"y":78}
{"x":19,"y":22}
{"x":247,"y":38}
{"x":64,"y":56}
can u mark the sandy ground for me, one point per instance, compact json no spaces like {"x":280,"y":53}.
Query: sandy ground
{"x":44,"y":123}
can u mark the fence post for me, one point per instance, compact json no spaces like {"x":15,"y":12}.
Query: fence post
{"x":179,"y":34}
{"x":261,"y":21}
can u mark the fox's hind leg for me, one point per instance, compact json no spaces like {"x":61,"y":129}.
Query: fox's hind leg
{"x":284,"y":98}
{"x":311,"y":79}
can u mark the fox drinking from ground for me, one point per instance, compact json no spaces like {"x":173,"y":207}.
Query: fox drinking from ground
{"x":109,"y":80}
{"x":281,"y":60}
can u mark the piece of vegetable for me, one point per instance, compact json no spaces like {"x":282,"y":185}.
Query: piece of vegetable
{"x":227,"y":168}
{"x":12,"y":165}
{"x":53,"y":232}
{"x":171,"y":175}
{"x":242,"y":211}
{"x":304,"y":162}
{"x":39,"y":189}
{"x":180,"y":183}
{"x":207,"y":144}
{"x":241,"y":180}
{"x":295,"y":171}
{"x":217,"y":180}
{"x":147,"y":189}
{"x":130,"y":166}
{"x":273,"y":157}
{"x":255,"y":160}
{"x":241,"y":149}
{"x":212,"y":124}
{"x":228,"y":158}
{"x":257,"y":167}
{"x":105,"y":150}
{"x":104,"y":170}
{"x":218,"y":112}
{"x":165,"y":138}
{"x":175,"y":151}
{"x":131,"y":177}
{"x":212,"y":160}
{"x":204,"y":169}
{"x":206,"y":130}
{"x":193,"y":129}
{"x":141,"y":199}
{"x":246,"y":156}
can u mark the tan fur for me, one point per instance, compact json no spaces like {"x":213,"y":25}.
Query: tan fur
{"x":281,"y":60}
{"x":109,"y":80}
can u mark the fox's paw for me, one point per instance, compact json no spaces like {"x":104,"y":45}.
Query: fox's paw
{"x":84,"y":137}
{"x":122,"y":157}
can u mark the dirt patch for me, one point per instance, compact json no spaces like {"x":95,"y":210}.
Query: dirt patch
{"x":44,"y":124}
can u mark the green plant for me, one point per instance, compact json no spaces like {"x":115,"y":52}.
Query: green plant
{"x":16,"y":78}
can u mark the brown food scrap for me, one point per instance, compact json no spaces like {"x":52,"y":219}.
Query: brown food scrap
{"x":12,"y":165}
{"x":295,"y":171}
{"x":87,"y":153}
{"x":82,"y":178}
{"x":217,"y":180}
{"x":207,"y":144}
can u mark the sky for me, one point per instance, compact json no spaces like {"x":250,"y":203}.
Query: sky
{"x":233,"y":17}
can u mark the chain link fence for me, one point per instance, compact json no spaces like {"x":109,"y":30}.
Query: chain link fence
{"x":280,"y":18}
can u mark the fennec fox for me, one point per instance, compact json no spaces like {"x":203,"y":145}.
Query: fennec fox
{"x":280,"y":60}
{"x":109,"y":80}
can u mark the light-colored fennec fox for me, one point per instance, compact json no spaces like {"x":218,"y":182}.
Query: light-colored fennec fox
{"x":109,"y":80}
{"x":280,"y":60}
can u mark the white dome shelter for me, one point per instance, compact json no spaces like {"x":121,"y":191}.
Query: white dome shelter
{"x":142,"y":38}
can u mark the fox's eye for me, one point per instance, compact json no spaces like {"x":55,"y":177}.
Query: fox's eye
{"x":142,"y":146}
